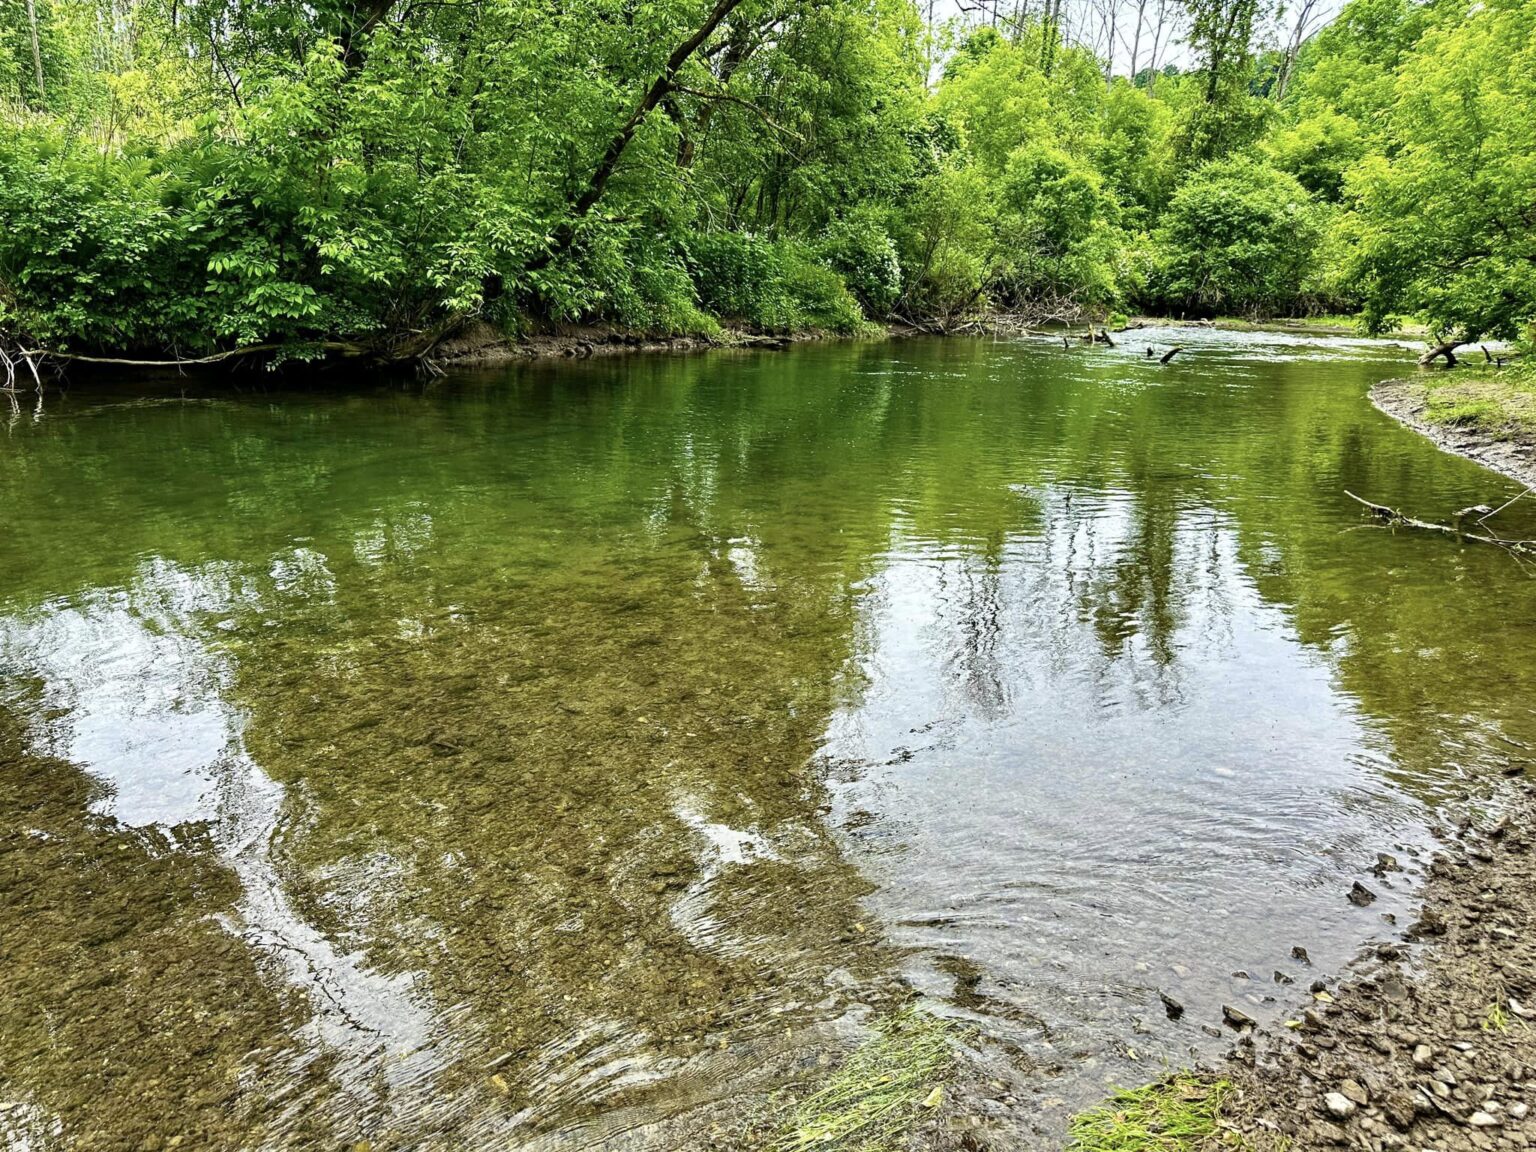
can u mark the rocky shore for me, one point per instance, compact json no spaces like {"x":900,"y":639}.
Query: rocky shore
{"x":1428,"y":1044}
{"x":1514,"y":454}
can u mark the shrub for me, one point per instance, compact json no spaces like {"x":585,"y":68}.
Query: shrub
{"x":1240,"y":237}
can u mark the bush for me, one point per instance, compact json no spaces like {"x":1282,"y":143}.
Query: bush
{"x":859,"y":249}
{"x":775,"y":286}
{"x":1238,"y":237}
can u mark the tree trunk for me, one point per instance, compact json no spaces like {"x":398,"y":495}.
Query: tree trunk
{"x":37,"y":52}
{"x":1448,"y":350}
{"x":565,"y":235}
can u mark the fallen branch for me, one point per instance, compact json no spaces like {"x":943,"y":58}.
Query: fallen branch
{"x":343,"y":347}
{"x":1170,"y":354}
{"x":1394,"y":517}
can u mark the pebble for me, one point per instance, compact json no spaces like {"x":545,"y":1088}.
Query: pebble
{"x":1339,"y":1106}
{"x":1423,"y":1056}
{"x":1236,"y":1017}
{"x":1519,"y":1111}
{"x":1361,"y":895}
{"x":1482,"y":1120}
{"x":1355,"y":1091}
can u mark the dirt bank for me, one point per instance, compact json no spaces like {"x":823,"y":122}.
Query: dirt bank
{"x":481,"y":344}
{"x":1429,"y":1044}
{"x":1511,"y":451}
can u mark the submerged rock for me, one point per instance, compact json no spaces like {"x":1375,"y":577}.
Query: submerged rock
{"x":1236,"y":1017}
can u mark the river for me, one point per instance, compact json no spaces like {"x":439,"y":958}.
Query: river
{"x":570,"y":755}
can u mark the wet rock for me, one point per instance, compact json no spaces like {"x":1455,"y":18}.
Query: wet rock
{"x":1339,"y":1106}
{"x":1386,"y":862}
{"x":1236,"y":1017}
{"x":1282,"y":978}
{"x":1171,"y":1006}
{"x":1300,"y":953}
{"x":1361,"y":895}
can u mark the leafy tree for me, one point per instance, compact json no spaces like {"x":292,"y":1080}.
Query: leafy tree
{"x":1445,"y":220}
{"x":1238,"y":236}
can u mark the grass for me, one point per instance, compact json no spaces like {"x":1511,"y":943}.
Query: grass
{"x":1500,"y":402}
{"x":1495,"y":1020}
{"x":1174,"y":1115}
{"x":872,"y":1101}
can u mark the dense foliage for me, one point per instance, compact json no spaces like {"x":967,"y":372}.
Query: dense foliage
{"x":180,"y":177}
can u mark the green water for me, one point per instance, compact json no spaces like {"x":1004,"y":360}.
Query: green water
{"x":570,"y":756}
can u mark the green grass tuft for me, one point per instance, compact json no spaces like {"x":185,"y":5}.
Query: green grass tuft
{"x":1174,"y":1115}
{"x":881,"y":1090}
{"x":1497,"y":402}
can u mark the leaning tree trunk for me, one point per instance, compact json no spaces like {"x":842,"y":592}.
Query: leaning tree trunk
{"x":660,"y":88}
{"x":1447,"y":349}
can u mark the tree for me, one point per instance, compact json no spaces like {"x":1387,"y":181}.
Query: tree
{"x":1238,"y":237}
{"x":1445,"y":219}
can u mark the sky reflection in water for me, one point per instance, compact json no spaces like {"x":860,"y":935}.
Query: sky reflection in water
{"x":561,"y":757}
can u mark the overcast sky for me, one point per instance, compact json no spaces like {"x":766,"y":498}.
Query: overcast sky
{"x":1086,"y":23}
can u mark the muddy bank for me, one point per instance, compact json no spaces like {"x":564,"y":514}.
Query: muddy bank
{"x":1425,"y":1044}
{"x":481,"y":344}
{"x":1513,"y":454}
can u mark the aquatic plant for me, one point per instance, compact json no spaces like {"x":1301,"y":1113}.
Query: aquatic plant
{"x":874,"y":1098}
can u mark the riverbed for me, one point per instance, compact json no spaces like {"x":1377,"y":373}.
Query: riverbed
{"x":572,"y":755}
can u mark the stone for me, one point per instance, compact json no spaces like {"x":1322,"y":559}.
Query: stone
{"x":1482,"y":1120}
{"x":1519,"y":1111}
{"x":1282,"y":978}
{"x":1361,"y":895}
{"x":1399,"y":1111}
{"x":1355,"y":1091}
{"x":1300,"y":953}
{"x":1171,"y":1006}
{"x":1423,"y":1056}
{"x":1236,"y":1017}
{"x":1339,"y":1106}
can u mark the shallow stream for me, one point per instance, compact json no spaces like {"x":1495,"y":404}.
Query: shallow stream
{"x":567,"y":756}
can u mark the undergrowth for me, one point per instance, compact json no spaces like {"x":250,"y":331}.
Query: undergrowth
{"x":1494,"y":401}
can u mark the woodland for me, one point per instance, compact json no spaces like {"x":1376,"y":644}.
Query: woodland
{"x":194,"y":179}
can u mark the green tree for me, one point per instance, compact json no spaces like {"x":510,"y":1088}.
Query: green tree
{"x":1238,"y":237}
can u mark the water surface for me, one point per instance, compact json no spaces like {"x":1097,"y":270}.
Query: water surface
{"x":569,"y":756}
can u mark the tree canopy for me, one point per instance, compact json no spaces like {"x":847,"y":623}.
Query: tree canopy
{"x":185,"y":177}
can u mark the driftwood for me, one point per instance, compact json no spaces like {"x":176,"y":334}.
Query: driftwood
{"x":1170,"y":354}
{"x":1398,"y":519}
{"x":346,"y":349}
